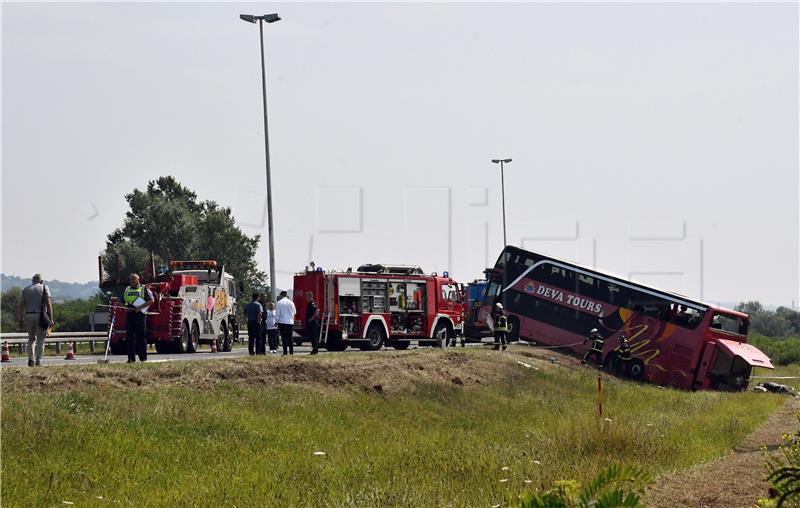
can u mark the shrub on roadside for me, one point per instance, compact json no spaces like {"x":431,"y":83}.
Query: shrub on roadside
{"x":617,"y":486}
{"x":784,"y":475}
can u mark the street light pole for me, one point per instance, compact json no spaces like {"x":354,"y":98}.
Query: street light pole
{"x":269,"y":18}
{"x":503,"y":192}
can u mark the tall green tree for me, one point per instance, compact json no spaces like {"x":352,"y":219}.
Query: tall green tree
{"x":168,"y":220}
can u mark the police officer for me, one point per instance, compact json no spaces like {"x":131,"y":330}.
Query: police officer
{"x":254,"y":313}
{"x":596,"y":350}
{"x":624,"y":356}
{"x":137,"y":298}
{"x":312,"y":322}
{"x":500,"y":328}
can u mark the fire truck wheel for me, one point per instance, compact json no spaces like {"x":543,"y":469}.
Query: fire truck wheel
{"x":375,"y":337}
{"x":335,"y":342}
{"x":401,"y":344}
{"x":441,"y":335}
{"x":182,"y":342}
{"x":194,"y":339}
{"x":119,"y":348}
{"x":636,"y":370}
{"x":513,"y":329}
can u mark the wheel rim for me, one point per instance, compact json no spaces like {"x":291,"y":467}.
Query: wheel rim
{"x":185,"y":338}
{"x":374,"y":338}
{"x":636,"y":370}
{"x":195,"y":336}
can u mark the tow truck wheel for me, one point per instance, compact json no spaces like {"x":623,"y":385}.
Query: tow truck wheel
{"x":226,"y":339}
{"x":119,"y":348}
{"x":163,"y":347}
{"x":194,"y":338}
{"x":375,"y":336}
{"x":182,"y":342}
{"x":636,"y":370}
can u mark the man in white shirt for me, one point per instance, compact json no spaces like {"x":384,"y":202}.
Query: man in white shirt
{"x":285,"y":311}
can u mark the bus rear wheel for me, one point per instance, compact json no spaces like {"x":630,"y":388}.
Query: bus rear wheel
{"x":513,"y":329}
{"x":636,"y":370}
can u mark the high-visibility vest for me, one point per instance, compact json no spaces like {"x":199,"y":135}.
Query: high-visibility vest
{"x":624,"y":352}
{"x":131,"y":294}
{"x":501,"y":325}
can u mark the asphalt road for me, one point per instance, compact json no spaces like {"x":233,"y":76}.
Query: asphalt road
{"x":18,"y":360}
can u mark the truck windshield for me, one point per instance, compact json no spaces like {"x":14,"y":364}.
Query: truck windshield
{"x":728,"y":323}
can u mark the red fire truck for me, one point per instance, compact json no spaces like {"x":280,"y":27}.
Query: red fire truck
{"x":195,"y":303}
{"x":379,"y":305}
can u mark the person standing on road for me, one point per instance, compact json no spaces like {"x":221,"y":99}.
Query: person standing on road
{"x":596,"y":351}
{"x":284,"y":315}
{"x":35,"y":300}
{"x":261,"y":344}
{"x":137,"y":298}
{"x":253,"y":311}
{"x":500,"y":328}
{"x":272,"y":328}
{"x":312,"y":322}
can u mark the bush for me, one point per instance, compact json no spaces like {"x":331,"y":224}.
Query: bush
{"x":617,"y":486}
{"x":782,"y":351}
{"x":784,"y":475}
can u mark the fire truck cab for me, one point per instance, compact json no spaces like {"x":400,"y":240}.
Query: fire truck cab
{"x":379,"y":305}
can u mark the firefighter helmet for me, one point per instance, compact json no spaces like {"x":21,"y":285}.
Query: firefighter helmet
{"x":594,"y":330}
{"x":622,"y":339}
{"x":499,"y":305}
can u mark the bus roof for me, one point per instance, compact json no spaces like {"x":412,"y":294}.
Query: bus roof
{"x":617,"y":279}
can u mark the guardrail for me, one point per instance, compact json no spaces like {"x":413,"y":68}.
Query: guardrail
{"x":57,"y":338}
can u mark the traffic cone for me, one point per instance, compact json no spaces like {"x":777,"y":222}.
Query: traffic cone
{"x":6,"y":354}
{"x":213,"y":345}
{"x":70,"y":352}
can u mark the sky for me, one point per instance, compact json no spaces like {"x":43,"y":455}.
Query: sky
{"x":654,"y":141}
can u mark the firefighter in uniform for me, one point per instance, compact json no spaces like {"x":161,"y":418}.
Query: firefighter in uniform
{"x":596,"y":350}
{"x":500,"y":328}
{"x":135,"y":318}
{"x":624,"y":356}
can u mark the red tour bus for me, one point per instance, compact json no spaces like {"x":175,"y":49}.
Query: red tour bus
{"x":675,"y":341}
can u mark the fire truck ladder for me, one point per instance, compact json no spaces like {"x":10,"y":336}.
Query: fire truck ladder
{"x":326,"y":319}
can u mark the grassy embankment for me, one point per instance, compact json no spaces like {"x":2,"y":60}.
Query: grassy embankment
{"x":419,"y":428}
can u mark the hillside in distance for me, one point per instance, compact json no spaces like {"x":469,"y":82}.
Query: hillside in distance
{"x":60,"y":290}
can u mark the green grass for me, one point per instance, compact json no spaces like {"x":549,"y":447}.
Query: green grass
{"x":244,"y":444}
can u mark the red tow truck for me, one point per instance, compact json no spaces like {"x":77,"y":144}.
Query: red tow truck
{"x":194,"y":303}
{"x":380,"y":304}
